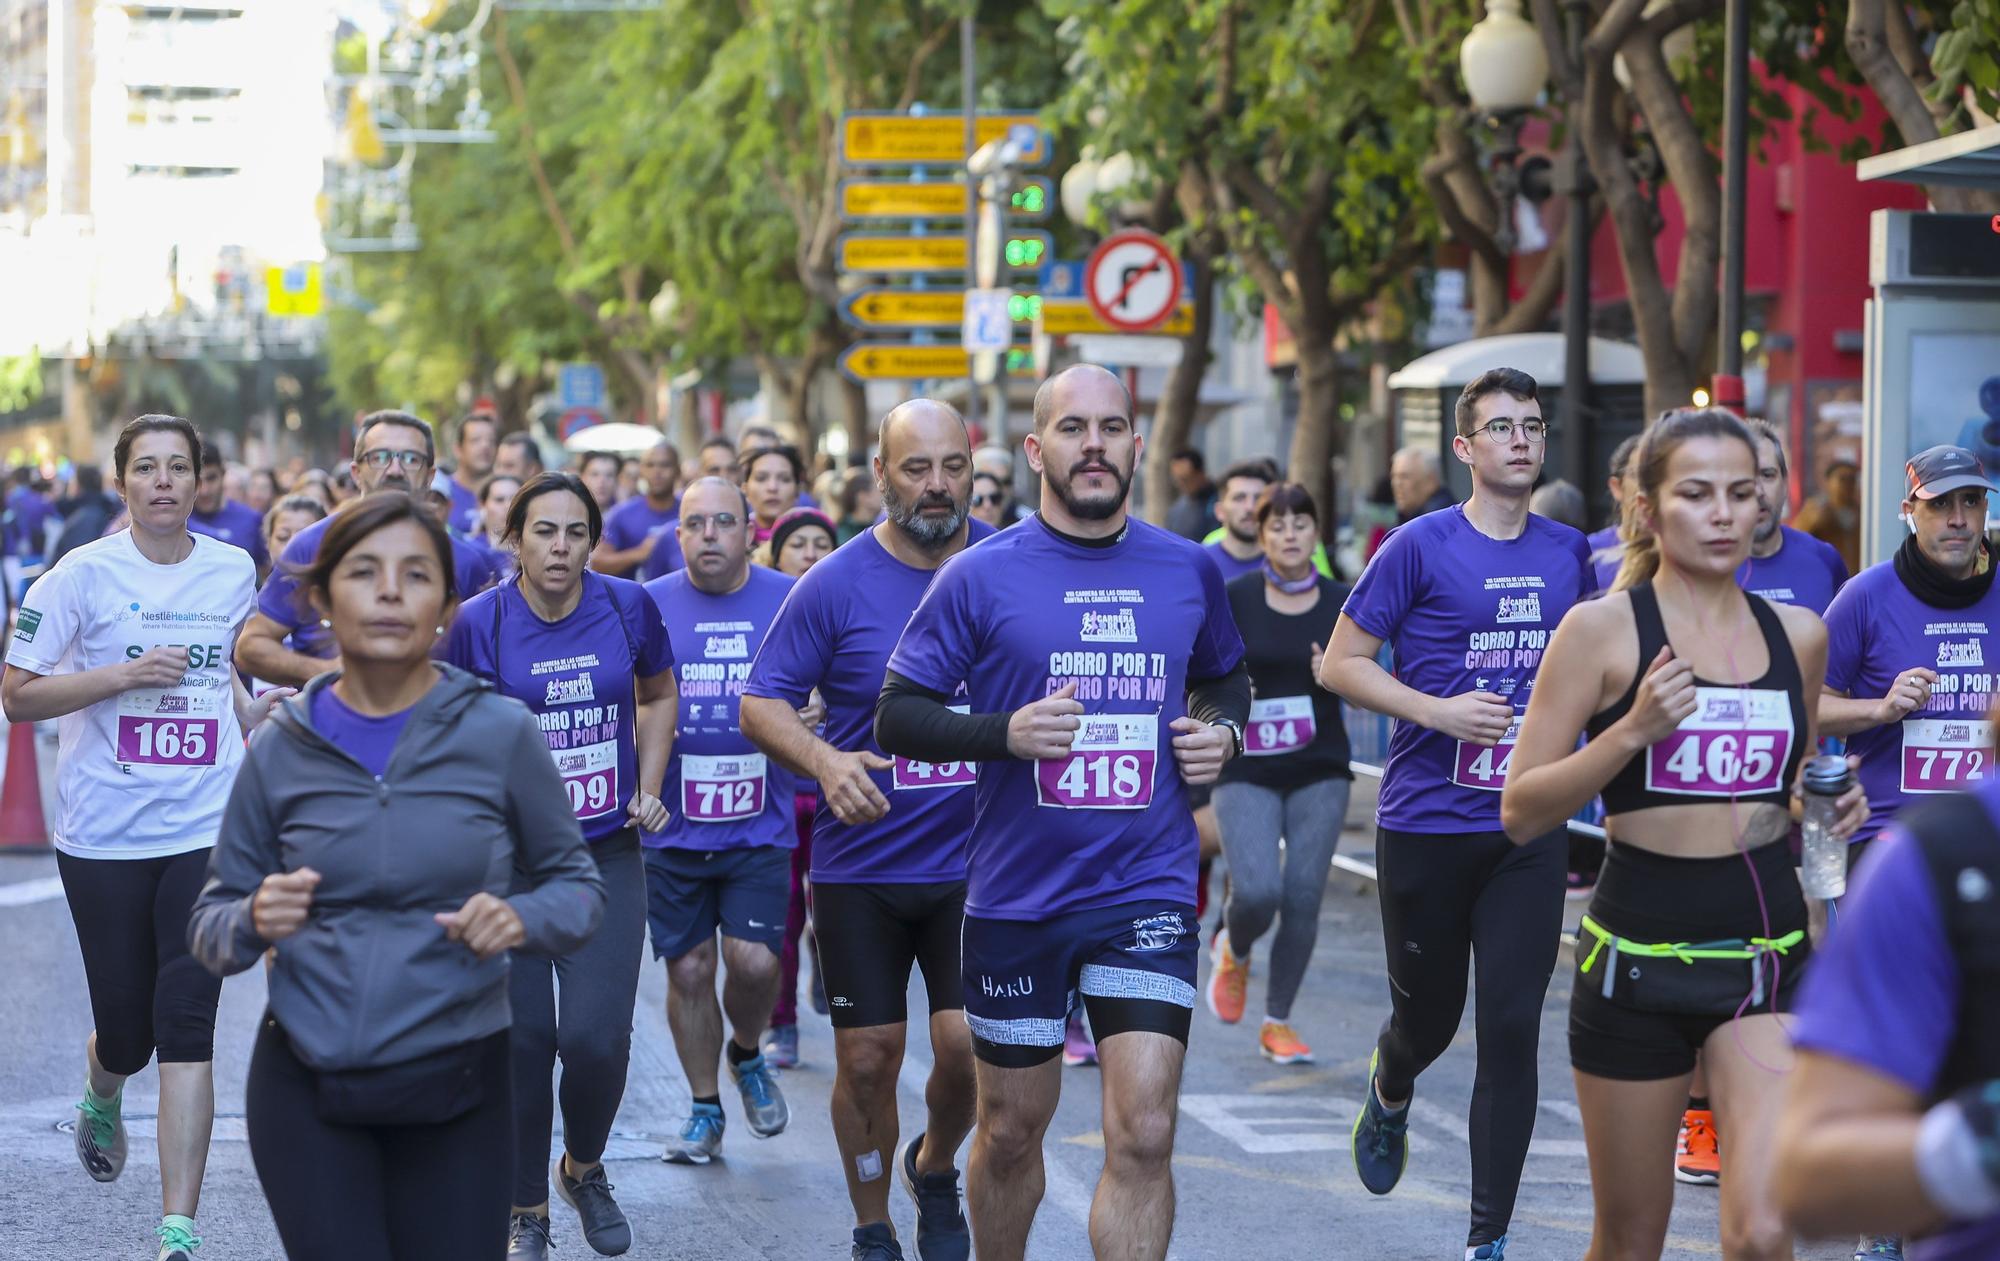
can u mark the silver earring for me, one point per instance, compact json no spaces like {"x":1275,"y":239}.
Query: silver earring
{"x":326,"y":624}
{"x":440,"y":630}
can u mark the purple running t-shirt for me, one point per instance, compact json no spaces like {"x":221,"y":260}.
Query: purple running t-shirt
{"x":1606,"y":554}
{"x":281,"y":600}
{"x":577,"y":675}
{"x":835,"y":633}
{"x":369,"y":741}
{"x":464,"y":516}
{"x":636,"y":521}
{"x":1463,"y":613}
{"x":1231,"y":568}
{"x":1018,"y":617}
{"x":720,"y":792}
{"x":1876,"y":630}
{"x":234,"y":523}
{"x":1883,"y":992}
{"x":1804,"y":571}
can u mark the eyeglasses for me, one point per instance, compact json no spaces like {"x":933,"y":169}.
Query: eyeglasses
{"x":410,"y":460}
{"x":720,"y":520}
{"x":1535,"y":431}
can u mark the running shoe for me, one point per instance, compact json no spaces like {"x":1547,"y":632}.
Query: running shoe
{"x":100,"y":1136}
{"x":1579,"y":885}
{"x":1495,"y":1251}
{"x":1698,"y":1154}
{"x":942,"y":1234}
{"x":1282,"y":1045}
{"x":604,"y":1226}
{"x":1079,"y":1049}
{"x":875,"y":1242}
{"x":528,"y":1238}
{"x":700,"y":1139}
{"x":178,"y":1242}
{"x":763,"y":1103}
{"x":1879,"y":1248}
{"x":1381,"y":1139}
{"x":781,"y":1046}
{"x":1228,"y":982}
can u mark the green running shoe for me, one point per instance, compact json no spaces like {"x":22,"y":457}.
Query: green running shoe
{"x":100,"y":1136}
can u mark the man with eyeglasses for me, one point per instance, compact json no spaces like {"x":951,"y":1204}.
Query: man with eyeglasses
{"x":723,"y":863}
{"x":1468,"y":597}
{"x":393,"y":451}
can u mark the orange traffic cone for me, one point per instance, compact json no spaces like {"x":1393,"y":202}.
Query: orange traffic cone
{"x":22,"y":826}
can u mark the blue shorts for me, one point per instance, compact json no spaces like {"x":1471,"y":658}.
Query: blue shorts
{"x":1133,"y":964}
{"x":692,"y":892}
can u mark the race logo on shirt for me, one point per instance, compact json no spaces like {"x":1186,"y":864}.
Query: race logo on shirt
{"x":1723,"y":709}
{"x":725,"y":641}
{"x":1779,"y":595}
{"x":1110,"y":628}
{"x":26,"y":623}
{"x":171,"y":704}
{"x":570,"y":691}
{"x":1520,"y":608}
{"x":1960,"y":652}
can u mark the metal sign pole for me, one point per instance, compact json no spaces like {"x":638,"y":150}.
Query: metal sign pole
{"x":969,"y":83}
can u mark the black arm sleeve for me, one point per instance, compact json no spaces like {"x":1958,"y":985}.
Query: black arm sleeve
{"x":915,"y":722}
{"x":1226,"y":697}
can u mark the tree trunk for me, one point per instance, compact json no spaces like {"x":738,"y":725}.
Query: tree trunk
{"x":1173,"y":421}
{"x":1314,"y":439}
{"x":855,"y":420}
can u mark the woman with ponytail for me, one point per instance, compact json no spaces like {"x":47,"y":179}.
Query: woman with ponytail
{"x":1694,"y":696}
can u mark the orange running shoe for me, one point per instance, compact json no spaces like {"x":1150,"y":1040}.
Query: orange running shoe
{"x":1698,"y":1155}
{"x":1228,"y":983}
{"x":1282,"y":1045}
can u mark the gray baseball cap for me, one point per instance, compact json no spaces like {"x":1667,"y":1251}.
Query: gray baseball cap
{"x":1942,"y":469}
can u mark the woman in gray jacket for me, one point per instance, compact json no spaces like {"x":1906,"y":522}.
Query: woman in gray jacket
{"x":379,"y":823}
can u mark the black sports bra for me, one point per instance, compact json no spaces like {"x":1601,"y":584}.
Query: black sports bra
{"x":1743,"y":741}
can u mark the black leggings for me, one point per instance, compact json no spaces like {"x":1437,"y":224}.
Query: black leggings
{"x":592,"y":1031}
{"x":146,"y":990}
{"x":399,"y":1192}
{"x":1446,"y":899}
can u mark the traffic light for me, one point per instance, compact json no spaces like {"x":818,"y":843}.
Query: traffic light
{"x":1032,"y":200}
{"x":1025,"y":251}
{"x":1024,"y":308}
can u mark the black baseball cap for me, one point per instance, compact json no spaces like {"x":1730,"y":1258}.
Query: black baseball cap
{"x":1943,"y":469}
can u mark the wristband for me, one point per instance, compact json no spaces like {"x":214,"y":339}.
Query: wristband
{"x":1953,"y":1160}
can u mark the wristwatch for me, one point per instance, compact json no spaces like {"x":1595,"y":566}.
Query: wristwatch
{"x":1235,"y":734}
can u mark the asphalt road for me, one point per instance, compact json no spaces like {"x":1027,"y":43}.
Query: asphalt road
{"x":1262,"y":1164}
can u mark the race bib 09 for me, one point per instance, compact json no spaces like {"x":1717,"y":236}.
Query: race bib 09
{"x":722,"y":789}
{"x":1109,"y":767}
{"x":590,"y":776}
{"x":1735,"y":743}
{"x":1278,"y":725}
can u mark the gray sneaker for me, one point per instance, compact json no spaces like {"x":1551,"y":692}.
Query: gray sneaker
{"x":604,"y":1226}
{"x":100,"y":1136}
{"x":763,"y":1103}
{"x":781,"y":1046}
{"x":700,"y":1139}
{"x":528,"y":1238}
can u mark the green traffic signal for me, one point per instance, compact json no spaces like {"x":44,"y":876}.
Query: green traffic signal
{"x":1031,"y":200}
{"x":1024,"y":308}
{"x":1024,"y":251}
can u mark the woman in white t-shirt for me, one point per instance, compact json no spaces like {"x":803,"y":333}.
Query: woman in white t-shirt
{"x":126,"y":642}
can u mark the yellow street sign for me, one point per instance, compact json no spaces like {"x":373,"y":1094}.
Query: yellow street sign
{"x":900,"y":361}
{"x":888,"y":199}
{"x":1062,"y":317}
{"x":294,"y":291}
{"x":902,"y":253}
{"x":906,"y":308}
{"x":904,"y":139}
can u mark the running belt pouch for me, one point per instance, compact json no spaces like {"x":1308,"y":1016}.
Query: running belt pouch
{"x":1704,"y":987}
{"x":428,"y":1090}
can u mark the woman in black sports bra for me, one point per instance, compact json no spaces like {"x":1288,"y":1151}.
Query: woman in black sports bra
{"x":1693,"y":694}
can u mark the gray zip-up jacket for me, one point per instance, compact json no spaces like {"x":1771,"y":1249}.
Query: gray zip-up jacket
{"x":469,"y":795}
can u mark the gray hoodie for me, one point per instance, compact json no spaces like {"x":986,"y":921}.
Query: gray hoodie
{"x":469,"y":795}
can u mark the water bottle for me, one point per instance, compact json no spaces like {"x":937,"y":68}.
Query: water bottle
{"x":1823,"y":868}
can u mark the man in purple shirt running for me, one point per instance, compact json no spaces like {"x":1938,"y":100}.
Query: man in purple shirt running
{"x":224,"y":519}
{"x":888,"y":851}
{"x":1104,"y":672}
{"x":1785,"y":565}
{"x":631,"y":528}
{"x":476,"y":446}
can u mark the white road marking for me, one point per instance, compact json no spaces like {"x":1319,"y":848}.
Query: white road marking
{"x":1267,"y":1125}
{"x":23,"y":892}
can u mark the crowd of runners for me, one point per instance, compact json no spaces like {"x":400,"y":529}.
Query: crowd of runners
{"x":441,"y":753}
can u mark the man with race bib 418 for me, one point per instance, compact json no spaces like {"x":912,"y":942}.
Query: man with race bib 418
{"x":1104,"y":669}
